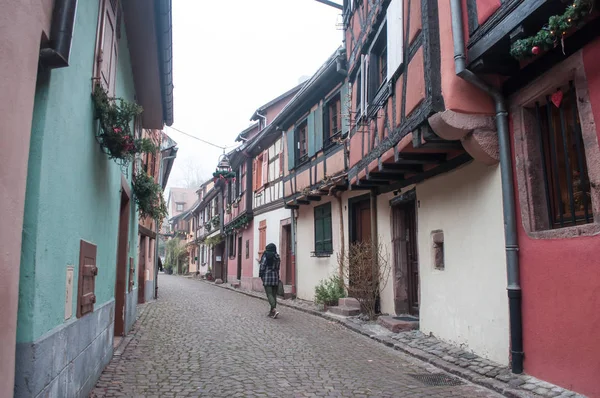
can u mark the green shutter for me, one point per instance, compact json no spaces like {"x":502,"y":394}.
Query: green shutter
{"x":345,"y":109}
{"x":327,"y":240}
{"x":319,"y":129}
{"x":311,"y":134}
{"x":318,"y":229}
{"x":291,"y":148}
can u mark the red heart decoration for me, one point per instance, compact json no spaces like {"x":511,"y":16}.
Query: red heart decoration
{"x":557,"y":98}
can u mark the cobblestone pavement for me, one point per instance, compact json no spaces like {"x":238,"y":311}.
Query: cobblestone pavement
{"x":201,"y":340}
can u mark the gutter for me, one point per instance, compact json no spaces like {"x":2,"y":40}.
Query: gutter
{"x":508,"y":188}
{"x":57,"y":54}
{"x":164,"y":31}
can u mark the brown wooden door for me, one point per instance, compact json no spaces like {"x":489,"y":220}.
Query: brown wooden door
{"x":406,"y":260}
{"x":122,"y":266}
{"x":362,"y":221}
{"x":142,"y":270}
{"x":287,"y":230}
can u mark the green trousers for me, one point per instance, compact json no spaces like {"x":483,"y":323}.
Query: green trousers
{"x":272,"y":295}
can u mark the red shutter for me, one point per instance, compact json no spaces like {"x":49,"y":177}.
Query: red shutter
{"x":86,"y":286}
{"x":265,"y":168}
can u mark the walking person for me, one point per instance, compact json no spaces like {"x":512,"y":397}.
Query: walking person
{"x":269,"y":273}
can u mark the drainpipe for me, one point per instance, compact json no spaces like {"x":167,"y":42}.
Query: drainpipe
{"x":263,"y":117}
{"x":508,"y":189}
{"x":56,"y":55}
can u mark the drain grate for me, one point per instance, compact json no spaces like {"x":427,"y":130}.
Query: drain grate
{"x":437,"y":379}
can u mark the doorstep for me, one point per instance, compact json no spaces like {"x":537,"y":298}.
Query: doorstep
{"x":445,"y":356}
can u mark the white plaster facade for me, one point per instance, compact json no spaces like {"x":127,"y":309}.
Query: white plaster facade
{"x":466,"y":303}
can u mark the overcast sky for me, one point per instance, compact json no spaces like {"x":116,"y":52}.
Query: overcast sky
{"x":232,"y":56}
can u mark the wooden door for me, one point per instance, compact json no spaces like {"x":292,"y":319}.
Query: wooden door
{"x":239,"y":259}
{"x":142,"y":270}
{"x":406,"y":259}
{"x":122,"y":266}
{"x":362,"y":221}
{"x":289,"y":272}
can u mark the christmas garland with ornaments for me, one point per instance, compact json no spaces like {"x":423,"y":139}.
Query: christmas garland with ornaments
{"x":554,"y":32}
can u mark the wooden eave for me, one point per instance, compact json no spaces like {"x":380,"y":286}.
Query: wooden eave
{"x":315,"y":193}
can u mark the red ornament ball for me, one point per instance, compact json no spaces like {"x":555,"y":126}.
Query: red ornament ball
{"x":535,"y":50}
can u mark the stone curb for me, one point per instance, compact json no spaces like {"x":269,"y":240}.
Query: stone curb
{"x":466,"y":374}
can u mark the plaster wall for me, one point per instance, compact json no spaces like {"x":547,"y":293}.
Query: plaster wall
{"x":73,"y":192}
{"x":466,"y":303}
{"x":22,"y":24}
{"x":247,"y":263}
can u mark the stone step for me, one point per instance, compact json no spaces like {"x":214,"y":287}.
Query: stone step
{"x":235,"y":285}
{"x":349,"y":302}
{"x":344,"y":310}
{"x":398,"y":323}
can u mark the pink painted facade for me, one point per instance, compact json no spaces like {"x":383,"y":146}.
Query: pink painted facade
{"x":561,"y":271}
{"x":22,"y":25}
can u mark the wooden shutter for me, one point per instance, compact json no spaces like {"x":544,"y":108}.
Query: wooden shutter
{"x":106,"y":56}
{"x":364,"y":67}
{"x":311,"y":134}
{"x":265,"y":168}
{"x":254,"y":174}
{"x":319,"y":128}
{"x":327,"y":239}
{"x":86,"y":286}
{"x":291,"y":148}
{"x":373,"y":83}
{"x":262,"y":237}
{"x":319,"y":229}
{"x":345,"y":103}
{"x":395,"y":37}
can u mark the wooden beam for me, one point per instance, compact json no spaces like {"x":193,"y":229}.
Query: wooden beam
{"x":372,"y":183}
{"x":398,"y":168}
{"x":445,"y":145}
{"x":375,"y":175}
{"x":302,"y":202}
{"x":420,"y":158}
{"x":313,"y":198}
{"x":295,"y":207}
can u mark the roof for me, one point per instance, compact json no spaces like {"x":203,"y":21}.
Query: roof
{"x":276,"y":100}
{"x":314,"y":83}
{"x":165,"y":39}
{"x":246,"y":131}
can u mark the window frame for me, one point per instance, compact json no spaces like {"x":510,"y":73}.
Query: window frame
{"x":179,"y":206}
{"x":112,"y":7}
{"x":377,"y":52}
{"x":336,"y":100}
{"x":528,"y":166}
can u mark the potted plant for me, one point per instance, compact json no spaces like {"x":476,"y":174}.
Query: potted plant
{"x":114,"y":134}
{"x":329,"y":291}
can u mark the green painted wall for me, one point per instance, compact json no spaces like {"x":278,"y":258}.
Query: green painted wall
{"x":73,"y":189}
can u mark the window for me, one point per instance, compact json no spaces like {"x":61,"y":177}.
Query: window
{"x":105,"y":67}
{"x":302,"y":142}
{"x":377,"y":63}
{"x":203,"y":255}
{"x":437,"y":249}
{"x":323,"y":241}
{"x":567,"y":185}
{"x":332,"y":119}
{"x":262,"y":237}
{"x":359,"y":92}
{"x":179,"y":206}
{"x":247,"y":249}
{"x":555,"y":146}
{"x":273,"y":167}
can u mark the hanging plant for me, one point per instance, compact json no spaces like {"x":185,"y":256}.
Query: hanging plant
{"x":215,"y":221}
{"x":148,"y":197}
{"x":114,"y":135}
{"x":554,"y":32}
{"x":238,"y":224}
{"x":214,"y":240}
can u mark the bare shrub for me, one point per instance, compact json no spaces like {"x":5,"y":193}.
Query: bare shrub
{"x":365,"y":270}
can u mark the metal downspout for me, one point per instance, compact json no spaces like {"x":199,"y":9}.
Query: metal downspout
{"x":58,"y":50}
{"x":508,"y":189}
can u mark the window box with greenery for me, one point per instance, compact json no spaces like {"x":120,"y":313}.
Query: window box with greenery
{"x":114,"y":134}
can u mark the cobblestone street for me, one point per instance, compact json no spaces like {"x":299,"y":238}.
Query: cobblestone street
{"x":200,"y":340}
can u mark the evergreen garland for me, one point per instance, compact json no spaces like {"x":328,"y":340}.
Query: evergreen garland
{"x":557,"y":27}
